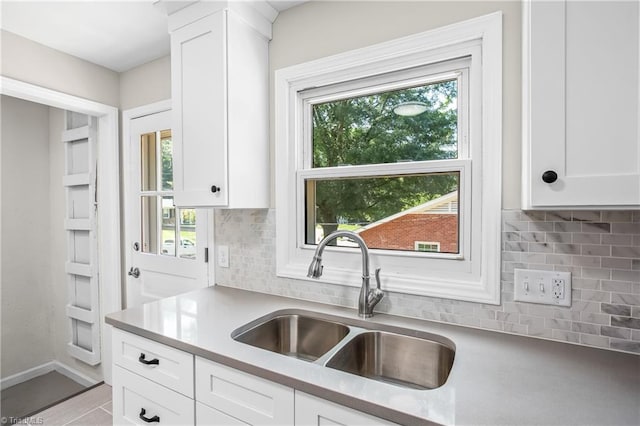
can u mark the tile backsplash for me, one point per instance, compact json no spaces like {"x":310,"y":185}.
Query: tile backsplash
{"x":601,"y":249}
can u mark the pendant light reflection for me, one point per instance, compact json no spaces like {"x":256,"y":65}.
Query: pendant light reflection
{"x":410,"y":109}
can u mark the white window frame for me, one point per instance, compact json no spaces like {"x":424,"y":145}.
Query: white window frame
{"x":474,"y":273}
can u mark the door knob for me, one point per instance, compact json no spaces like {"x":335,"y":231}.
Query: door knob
{"x":134,"y":272}
{"x":215,"y":189}
{"x":549,"y":176}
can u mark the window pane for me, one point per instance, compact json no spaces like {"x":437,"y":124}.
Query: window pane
{"x":388,"y":212}
{"x":149,"y":224}
{"x":414,"y":124}
{"x":187,"y":247}
{"x":166,"y":152}
{"x":148,"y":169}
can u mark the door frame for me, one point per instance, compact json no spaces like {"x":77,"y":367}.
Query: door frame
{"x":108,"y":194}
{"x":127,"y":116}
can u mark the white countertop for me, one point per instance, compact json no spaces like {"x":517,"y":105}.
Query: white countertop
{"x":497,"y":379}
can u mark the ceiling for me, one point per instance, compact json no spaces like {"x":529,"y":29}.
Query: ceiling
{"x":116,"y":34}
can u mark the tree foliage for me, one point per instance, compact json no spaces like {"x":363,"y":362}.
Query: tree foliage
{"x":365,"y":130}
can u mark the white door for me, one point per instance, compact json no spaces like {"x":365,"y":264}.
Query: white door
{"x":166,"y":246}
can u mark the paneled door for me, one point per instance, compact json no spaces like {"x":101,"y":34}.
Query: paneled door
{"x":167,"y":246}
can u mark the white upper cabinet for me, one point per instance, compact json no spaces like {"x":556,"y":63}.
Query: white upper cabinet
{"x":581,"y":105}
{"x":220,"y":95}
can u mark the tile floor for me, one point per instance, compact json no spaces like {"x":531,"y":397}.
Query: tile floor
{"x":91,"y":408}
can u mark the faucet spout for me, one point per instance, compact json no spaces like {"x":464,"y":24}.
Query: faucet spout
{"x":368,"y":298}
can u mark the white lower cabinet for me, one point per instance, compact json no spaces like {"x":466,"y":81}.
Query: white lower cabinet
{"x":154,"y":384}
{"x":247,"y":398}
{"x":139,"y":401}
{"x":314,"y":411}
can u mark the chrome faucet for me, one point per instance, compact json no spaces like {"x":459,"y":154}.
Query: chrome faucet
{"x":368,"y":298}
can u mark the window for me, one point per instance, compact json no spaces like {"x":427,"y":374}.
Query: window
{"x":393,"y":142}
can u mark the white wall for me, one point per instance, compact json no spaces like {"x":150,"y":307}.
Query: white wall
{"x":146,"y":84}
{"x":34,"y":63}
{"x":26,"y":308}
{"x":317,"y":29}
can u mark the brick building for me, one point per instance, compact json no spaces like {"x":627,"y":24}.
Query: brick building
{"x":432,"y":226}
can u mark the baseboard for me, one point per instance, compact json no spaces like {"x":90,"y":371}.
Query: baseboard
{"x":45,"y":368}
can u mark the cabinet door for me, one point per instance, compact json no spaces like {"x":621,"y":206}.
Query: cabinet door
{"x":206,"y":415}
{"x":199,"y":92}
{"x":245,"y":397}
{"x":313,"y":411}
{"x":580,"y":104}
{"x":138,"y":401}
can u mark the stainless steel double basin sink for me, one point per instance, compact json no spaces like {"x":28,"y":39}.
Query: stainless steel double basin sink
{"x":402,"y":357}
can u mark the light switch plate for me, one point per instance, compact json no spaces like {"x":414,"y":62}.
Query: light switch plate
{"x":545,"y":287}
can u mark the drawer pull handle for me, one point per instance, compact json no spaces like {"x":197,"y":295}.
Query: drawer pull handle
{"x":154,"y":361}
{"x":154,"y":419}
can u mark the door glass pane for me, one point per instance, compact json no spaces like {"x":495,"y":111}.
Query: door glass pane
{"x":149,"y":223}
{"x":389,"y":212}
{"x":166,"y":153}
{"x":413,"y":124}
{"x":148,"y":168}
{"x":168,"y":226}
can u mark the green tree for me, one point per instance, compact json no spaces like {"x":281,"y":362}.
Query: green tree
{"x":365,"y":130}
{"x":166,"y":154}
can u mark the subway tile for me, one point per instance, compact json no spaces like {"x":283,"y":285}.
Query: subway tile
{"x":541,"y":226}
{"x":536,"y":237}
{"x":515,"y":246}
{"x":616,"y":286}
{"x":516,"y":307}
{"x":566,"y":336}
{"x":635,"y":311}
{"x":625,"y":322}
{"x":596,"y":273}
{"x":595,"y":228}
{"x":588,"y":261}
{"x":582,"y":238}
{"x":512,"y":215}
{"x":623,"y":275}
{"x":584,"y":306}
{"x":617,"y":332}
{"x":596,"y":250}
{"x":591,"y":340}
{"x":636,"y":216}
{"x":566,"y":248}
{"x":508,"y":317}
{"x":567,"y":227}
{"x":635,"y":335}
{"x":557,"y":324}
{"x":544,"y":311}
{"x":541,"y":247}
{"x":510,"y":236}
{"x":592,"y":318}
{"x":636,"y":241}
{"x":566,"y":313}
{"x":625,"y":251}
{"x":635,"y":264}
{"x":625,"y":345}
{"x":514,"y":226}
{"x":562,"y":216}
{"x":595,"y":296}
{"x":625,"y":228}
{"x":617,"y":239}
{"x":558,"y":237}
{"x":581,"y":327}
{"x":558,"y":259}
{"x":617,"y":263}
{"x":510,"y":256}
{"x":539,"y":331}
{"x":533,"y":257}
{"x":585,"y":283}
{"x":534,"y":216}
{"x":532,"y":321}
{"x":625,"y":299}
{"x":616,"y":309}
{"x":617,"y":216}
{"x":586,"y":216}
{"x":510,"y":327}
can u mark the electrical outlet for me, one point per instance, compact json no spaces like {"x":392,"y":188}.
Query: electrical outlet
{"x":545,"y":287}
{"x":223,"y":256}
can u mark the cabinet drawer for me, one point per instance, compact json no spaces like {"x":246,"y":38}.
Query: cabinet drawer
{"x":173,"y":369}
{"x":206,"y":415}
{"x":135,"y":397}
{"x":243,"y":396}
{"x":314,"y":411}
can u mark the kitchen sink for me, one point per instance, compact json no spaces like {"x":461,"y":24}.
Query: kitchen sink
{"x":294,"y":335}
{"x":409,"y":358}
{"x":397,"y":359}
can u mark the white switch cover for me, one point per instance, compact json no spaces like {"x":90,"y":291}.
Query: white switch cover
{"x":546,"y":287}
{"x":223,"y":256}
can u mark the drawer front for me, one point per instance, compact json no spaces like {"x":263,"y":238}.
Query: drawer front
{"x":135,"y":397}
{"x":243,"y":396}
{"x":314,"y":411}
{"x":162,"y":364}
{"x":206,"y":415}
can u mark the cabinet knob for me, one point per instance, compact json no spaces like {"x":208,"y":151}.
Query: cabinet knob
{"x":215,"y":189}
{"x":549,"y":176}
